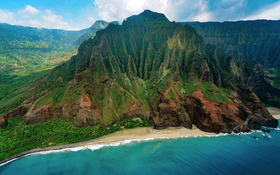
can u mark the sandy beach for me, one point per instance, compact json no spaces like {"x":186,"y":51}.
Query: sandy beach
{"x":275,"y":112}
{"x":147,"y":133}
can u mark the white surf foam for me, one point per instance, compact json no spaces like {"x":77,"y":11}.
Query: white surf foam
{"x":8,"y":161}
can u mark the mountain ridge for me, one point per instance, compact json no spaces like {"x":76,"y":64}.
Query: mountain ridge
{"x":256,"y":42}
{"x":151,"y":63}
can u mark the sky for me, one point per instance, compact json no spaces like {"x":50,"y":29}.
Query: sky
{"x":81,"y":14}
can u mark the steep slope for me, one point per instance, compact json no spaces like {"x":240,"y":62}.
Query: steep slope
{"x":252,"y":40}
{"x":152,"y":68}
{"x":257,"y":42}
{"x":90,"y":33}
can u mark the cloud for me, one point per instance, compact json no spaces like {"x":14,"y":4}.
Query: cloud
{"x":30,"y":10}
{"x":35,"y":23}
{"x":202,"y":14}
{"x":179,"y":10}
{"x":39,"y":19}
{"x":53,"y":21}
{"x":271,"y":12}
{"x":27,"y":11}
{"x":91,"y":19}
{"x":226,"y":10}
{"x":227,"y":4}
{"x":7,"y":17}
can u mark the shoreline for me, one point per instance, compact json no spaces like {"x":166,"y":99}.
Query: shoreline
{"x":129,"y":135}
{"x":146,"y":133}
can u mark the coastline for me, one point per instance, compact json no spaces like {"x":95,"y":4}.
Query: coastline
{"x":275,"y":112}
{"x":146,"y":133}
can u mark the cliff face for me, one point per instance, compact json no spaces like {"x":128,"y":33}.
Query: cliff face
{"x":256,"y":42}
{"x":159,"y":70}
{"x":252,"y":40}
{"x":14,"y":113}
{"x":260,"y":85}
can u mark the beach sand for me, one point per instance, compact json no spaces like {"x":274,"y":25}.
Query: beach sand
{"x":147,"y":133}
{"x":275,"y":112}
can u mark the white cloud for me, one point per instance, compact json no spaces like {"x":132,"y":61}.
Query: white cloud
{"x":229,"y":4}
{"x":179,"y":10}
{"x":53,"y":21}
{"x":202,"y":14}
{"x":46,"y":19}
{"x":271,"y":12}
{"x":30,"y":10}
{"x":35,"y":23}
{"x":91,"y":19}
{"x":7,"y":17}
{"x":27,"y":11}
{"x":225,"y":10}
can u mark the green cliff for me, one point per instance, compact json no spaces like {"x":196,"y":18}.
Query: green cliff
{"x":256,"y":42}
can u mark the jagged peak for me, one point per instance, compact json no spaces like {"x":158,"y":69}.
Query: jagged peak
{"x":149,"y":14}
{"x":99,"y":24}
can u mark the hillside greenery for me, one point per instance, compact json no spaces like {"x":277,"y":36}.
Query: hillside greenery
{"x":26,"y":55}
{"x":18,"y":137}
{"x":255,"y":41}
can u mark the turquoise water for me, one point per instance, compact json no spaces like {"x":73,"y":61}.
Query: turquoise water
{"x":231,"y":154}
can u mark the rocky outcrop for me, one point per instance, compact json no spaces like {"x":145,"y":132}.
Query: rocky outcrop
{"x":252,"y":111}
{"x":168,"y":114}
{"x":14,"y":113}
{"x":212,"y":116}
{"x":227,"y":117}
{"x":3,"y":122}
{"x":41,"y":115}
{"x":265,"y":91}
{"x":88,"y":114}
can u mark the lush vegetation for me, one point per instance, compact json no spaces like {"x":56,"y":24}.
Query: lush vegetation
{"x":21,"y":86}
{"x":53,"y":97}
{"x":252,"y":41}
{"x":260,"y":44}
{"x":214,"y":93}
{"x":18,"y":137}
{"x":26,"y":55}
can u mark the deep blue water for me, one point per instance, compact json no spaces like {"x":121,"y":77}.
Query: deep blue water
{"x":231,"y":154}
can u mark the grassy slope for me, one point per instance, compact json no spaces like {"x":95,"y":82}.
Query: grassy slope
{"x":214,"y":93}
{"x":16,"y":89}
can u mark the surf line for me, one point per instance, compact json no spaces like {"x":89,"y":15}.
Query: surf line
{"x":93,"y":145}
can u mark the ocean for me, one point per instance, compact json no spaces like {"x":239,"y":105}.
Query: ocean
{"x":254,"y":153}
